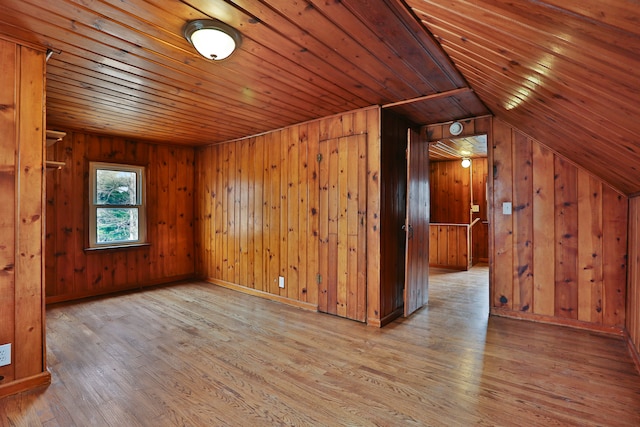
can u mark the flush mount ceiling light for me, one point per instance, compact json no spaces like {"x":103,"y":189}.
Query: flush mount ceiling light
{"x":455,"y":128}
{"x":466,"y":162}
{"x":212,"y":39}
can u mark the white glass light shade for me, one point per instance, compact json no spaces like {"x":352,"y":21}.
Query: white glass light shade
{"x":466,"y":163}
{"x":212,"y":39}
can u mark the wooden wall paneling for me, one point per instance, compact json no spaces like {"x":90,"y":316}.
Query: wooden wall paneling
{"x":266,"y":212}
{"x":294,"y":205}
{"x":9,"y":64}
{"x":172,"y":213}
{"x":314,"y":190}
{"x":332,"y":214}
{"x":283,"y":146}
{"x":252,"y":218}
{"x":351,"y":224}
{"x":633,"y":287}
{"x":243,"y":213}
{"x":299,"y":261}
{"x":433,"y":244}
{"x":544,"y":246}
{"x":29,"y":351}
{"x":274,"y":215}
{"x":169,"y":183}
{"x":153,"y":214}
{"x":226,"y":204}
{"x":590,"y":273}
{"x":362,"y":222}
{"x":614,"y":230}
{"x":374,"y":316}
{"x":453,"y":242}
{"x":522,"y":223}
{"x":502,"y":273}
{"x":566,"y":232}
{"x":303,"y":217}
{"x":579,"y":242}
{"x":343,"y":258}
{"x":233,"y":190}
{"x":393,"y":207}
{"x":244,"y":171}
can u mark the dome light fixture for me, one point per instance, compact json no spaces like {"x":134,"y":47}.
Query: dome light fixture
{"x":212,"y":39}
{"x":466,"y":162}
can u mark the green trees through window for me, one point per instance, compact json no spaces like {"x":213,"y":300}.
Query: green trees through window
{"x":117,"y":209}
{"x":116,"y":188}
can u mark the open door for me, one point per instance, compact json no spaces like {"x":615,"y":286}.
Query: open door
{"x":416,"y":287}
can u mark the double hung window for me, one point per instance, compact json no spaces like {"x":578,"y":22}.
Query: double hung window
{"x":116,"y":205}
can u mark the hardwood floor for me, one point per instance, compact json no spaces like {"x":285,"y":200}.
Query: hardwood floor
{"x":199,"y":355}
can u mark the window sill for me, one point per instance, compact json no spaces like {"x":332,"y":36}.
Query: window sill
{"x":117,"y":247}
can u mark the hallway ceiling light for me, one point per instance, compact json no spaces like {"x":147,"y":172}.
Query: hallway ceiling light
{"x":466,"y":162}
{"x":213,"y":39}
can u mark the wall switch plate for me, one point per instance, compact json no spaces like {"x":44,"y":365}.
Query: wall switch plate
{"x":5,"y":354}
{"x":280,"y":282}
{"x":506,"y":208}
{"x":475,"y":208}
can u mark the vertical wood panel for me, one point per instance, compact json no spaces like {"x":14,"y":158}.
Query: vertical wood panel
{"x":579,"y":241}
{"x":614,"y":243}
{"x":373,"y":216}
{"x":9,"y":57}
{"x":543,"y":233}
{"x":566,"y":236}
{"x":301,"y":218}
{"x":589,"y":248}
{"x":170,"y":181}
{"x":503,"y":224}
{"x":633,"y":296}
{"x":22,"y":216}
{"x":523,"y":223}
{"x":313,"y":190}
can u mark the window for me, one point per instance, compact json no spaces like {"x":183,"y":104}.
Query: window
{"x":116,"y":205}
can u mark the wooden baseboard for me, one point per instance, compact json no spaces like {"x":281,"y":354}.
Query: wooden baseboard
{"x":573,"y":323}
{"x":633,"y":351}
{"x":379,"y":323}
{"x":262,"y":294}
{"x":25,"y":384}
{"x":129,"y":287}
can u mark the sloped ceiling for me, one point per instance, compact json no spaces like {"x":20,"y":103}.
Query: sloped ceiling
{"x":125,"y":68}
{"x":566,"y":72}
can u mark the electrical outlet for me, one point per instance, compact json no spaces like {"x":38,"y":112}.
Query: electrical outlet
{"x":280,"y":281}
{"x":5,"y":354}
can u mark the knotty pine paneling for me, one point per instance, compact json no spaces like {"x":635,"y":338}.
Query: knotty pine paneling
{"x":561,"y":255}
{"x":449,"y":246}
{"x":633,"y":290}
{"x":72,"y":272}
{"x":22,"y":97}
{"x":450,"y":192}
{"x":299,"y":202}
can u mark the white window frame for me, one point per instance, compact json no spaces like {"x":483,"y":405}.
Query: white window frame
{"x":140,"y":204}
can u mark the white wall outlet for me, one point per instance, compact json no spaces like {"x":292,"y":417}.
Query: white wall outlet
{"x":5,"y":354}
{"x":506,"y":208}
{"x":281,"y":282}
{"x":475,"y":208}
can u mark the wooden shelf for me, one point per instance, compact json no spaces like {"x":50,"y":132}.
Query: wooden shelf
{"x":52,"y":165}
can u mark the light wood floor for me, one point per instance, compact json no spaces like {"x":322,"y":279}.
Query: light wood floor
{"x":199,"y":355}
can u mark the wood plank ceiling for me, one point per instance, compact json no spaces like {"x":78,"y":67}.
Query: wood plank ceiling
{"x":566,"y":72}
{"x":124,"y":67}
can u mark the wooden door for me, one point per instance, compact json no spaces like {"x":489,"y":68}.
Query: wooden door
{"x":416,"y":288}
{"x":342,"y":229}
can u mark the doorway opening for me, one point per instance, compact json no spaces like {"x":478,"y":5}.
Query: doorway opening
{"x":459,"y":227}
